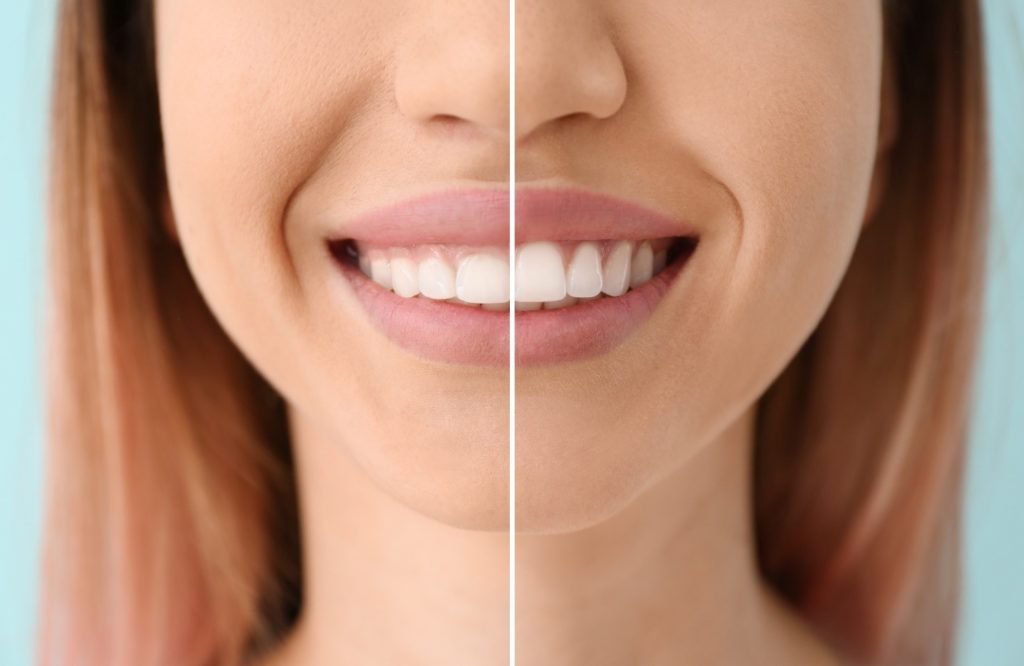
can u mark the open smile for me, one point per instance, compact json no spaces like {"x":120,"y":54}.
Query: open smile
{"x":590,"y":270}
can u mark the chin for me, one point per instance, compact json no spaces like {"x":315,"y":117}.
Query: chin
{"x":456,"y":478}
{"x":557,"y":495}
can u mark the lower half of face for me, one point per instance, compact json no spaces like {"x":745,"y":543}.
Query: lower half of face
{"x":296,"y":140}
{"x":755,"y":126}
{"x":339,"y":186}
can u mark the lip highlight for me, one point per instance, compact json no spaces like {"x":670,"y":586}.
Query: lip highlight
{"x":452,"y":331}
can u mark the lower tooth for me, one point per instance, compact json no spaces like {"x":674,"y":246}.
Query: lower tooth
{"x":564,"y":303}
{"x":526,"y":306}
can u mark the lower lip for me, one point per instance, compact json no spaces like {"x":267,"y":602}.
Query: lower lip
{"x":453,"y":333}
{"x":590,"y":328}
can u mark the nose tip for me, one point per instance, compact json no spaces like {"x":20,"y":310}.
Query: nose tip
{"x":463,"y":81}
{"x":566,"y":66}
{"x":594,"y":92}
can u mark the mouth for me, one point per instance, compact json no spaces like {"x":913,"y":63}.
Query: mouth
{"x":575,"y":295}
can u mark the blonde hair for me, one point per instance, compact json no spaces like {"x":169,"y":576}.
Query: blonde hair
{"x":171,"y":515}
{"x":172,"y":529}
{"x":858,"y":460}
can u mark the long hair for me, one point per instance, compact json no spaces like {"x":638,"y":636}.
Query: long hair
{"x":172,"y":534}
{"x":171,"y":527}
{"x":860,"y":444}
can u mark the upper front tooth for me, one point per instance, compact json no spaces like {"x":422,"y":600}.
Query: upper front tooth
{"x":617,"y":269}
{"x":584,"y":275}
{"x":643,"y":265}
{"x":482,"y":278}
{"x":437,"y":279}
{"x":405,"y":278}
{"x":540,"y":272}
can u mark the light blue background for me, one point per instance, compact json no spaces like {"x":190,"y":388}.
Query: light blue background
{"x":993,"y":612}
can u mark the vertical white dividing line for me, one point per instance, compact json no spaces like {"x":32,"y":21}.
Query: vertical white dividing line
{"x":512,"y":334}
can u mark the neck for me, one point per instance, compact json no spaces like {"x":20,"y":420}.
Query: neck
{"x":384,"y":584}
{"x":670,"y":579}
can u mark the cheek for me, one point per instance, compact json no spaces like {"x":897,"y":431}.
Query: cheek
{"x":256,"y":98}
{"x":251,"y":94}
{"x":779,"y":102}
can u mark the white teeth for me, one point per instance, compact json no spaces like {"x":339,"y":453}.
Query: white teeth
{"x":482,"y":278}
{"x":564,"y":303}
{"x":549,"y":275}
{"x":437,"y":279}
{"x":642,"y":267}
{"x":405,"y":277}
{"x":584,"y":275}
{"x":540,"y":272}
{"x":616,"y":269}
{"x":380,"y":272}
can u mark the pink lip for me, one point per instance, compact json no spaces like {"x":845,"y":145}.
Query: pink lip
{"x":435,"y":330}
{"x":591,"y":328}
{"x":457,"y":217}
{"x":576,"y":215}
{"x":455,"y":333}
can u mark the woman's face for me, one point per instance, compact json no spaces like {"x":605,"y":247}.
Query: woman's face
{"x":749,"y":127}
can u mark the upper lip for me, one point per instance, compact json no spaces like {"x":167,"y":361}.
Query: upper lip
{"x":480,"y":217}
{"x":569,"y":214}
{"x":474,"y":216}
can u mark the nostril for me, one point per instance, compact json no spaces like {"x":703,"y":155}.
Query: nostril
{"x":451,"y":125}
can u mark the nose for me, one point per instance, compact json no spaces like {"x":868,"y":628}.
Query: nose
{"x":566,"y":65}
{"x":456,"y":68}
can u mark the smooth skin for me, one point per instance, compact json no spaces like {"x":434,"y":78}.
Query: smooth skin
{"x":760,"y":124}
{"x":280,"y":121}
